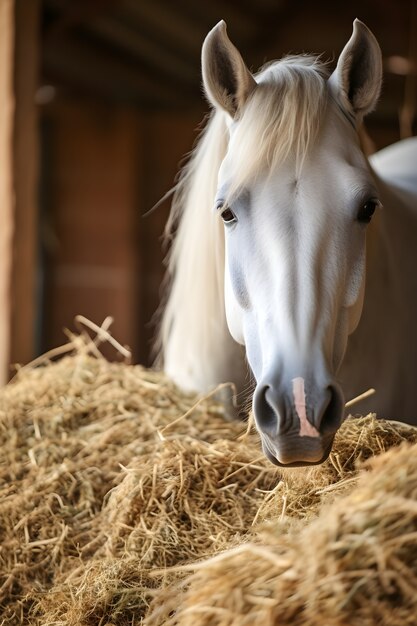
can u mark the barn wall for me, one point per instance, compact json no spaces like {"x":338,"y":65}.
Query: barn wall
{"x":90,"y":245}
{"x":106,"y":168}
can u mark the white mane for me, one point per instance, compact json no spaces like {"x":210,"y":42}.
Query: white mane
{"x":282,"y":117}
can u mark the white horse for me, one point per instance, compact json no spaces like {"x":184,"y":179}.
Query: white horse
{"x":281,"y":218}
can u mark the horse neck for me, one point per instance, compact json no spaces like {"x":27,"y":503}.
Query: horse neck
{"x":387,"y":243}
{"x":379,"y":350}
{"x":196,"y":347}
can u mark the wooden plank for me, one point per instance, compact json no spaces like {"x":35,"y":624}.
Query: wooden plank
{"x":6,"y":185}
{"x":93,"y":269}
{"x":25,"y":171}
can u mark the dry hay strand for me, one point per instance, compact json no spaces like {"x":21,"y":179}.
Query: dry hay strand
{"x":354,"y":565}
{"x":108,"y":471}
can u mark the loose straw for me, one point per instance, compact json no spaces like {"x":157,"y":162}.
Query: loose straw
{"x":103,"y":334}
{"x":199,"y":401}
{"x":362,"y":396}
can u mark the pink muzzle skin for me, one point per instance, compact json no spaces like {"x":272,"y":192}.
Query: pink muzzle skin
{"x":306,"y":428}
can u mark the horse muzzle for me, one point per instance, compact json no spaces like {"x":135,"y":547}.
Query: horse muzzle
{"x":297,"y":423}
{"x":296,"y":451}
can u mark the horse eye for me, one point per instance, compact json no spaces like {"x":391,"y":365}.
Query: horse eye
{"x":367,"y":210}
{"x":227,"y":215}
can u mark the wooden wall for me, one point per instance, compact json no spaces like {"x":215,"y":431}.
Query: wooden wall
{"x":89,"y":221}
{"x":104,"y":168}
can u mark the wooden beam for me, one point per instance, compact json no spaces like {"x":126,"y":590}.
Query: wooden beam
{"x":6,"y":178}
{"x":92,"y":68}
{"x":168,"y":64}
{"x":25,"y":170}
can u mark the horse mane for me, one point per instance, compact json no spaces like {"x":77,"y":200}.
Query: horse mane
{"x":281,"y":118}
{"x":195,"y":263}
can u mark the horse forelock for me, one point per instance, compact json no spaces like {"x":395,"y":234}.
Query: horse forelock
{"x":281,"y":118}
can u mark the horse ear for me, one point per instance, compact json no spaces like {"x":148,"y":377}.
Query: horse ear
{"x":358,"y":75}
{"x":227,"y":81}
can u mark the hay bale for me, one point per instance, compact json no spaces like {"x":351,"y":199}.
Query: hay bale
{"x":108,"y":472}
{"x":354,"y":565}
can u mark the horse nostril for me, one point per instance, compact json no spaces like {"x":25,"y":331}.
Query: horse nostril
{"x":333,"y":413}
{"x":266,"y":416}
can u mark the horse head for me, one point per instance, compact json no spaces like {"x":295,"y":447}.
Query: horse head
{"x":296,"y":195}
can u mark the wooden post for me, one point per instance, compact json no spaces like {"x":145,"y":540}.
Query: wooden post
{"x":6,"y":185}
{"x":25,"y":172}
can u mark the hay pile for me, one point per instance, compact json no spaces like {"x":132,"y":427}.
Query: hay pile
{"x":113,"y":484}
{"x":354,"y":565}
